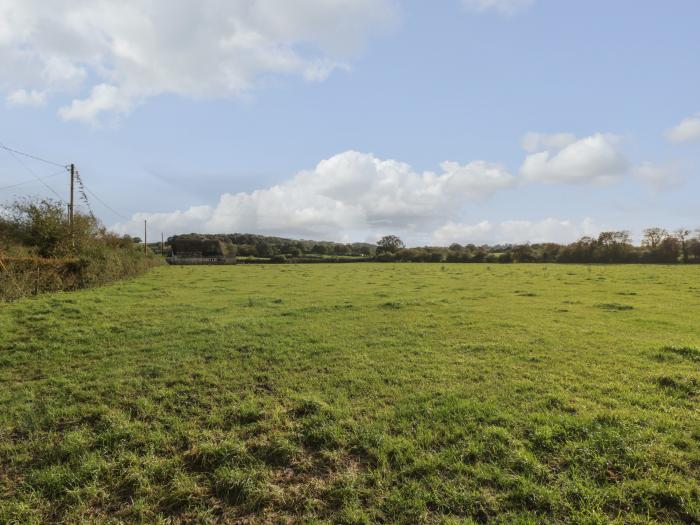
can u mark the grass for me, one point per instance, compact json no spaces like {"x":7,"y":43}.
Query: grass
{"x":356,"y":394}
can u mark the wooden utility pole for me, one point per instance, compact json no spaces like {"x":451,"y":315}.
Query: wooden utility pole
{"x":72,"y":191}
{"x":145,"y":238}
{"x":162,"y":244}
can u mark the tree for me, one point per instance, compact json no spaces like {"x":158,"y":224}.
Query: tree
{"x":682,"y":236}
{"x":661,"y":247}
{"x":505,"y":257}
{"x":341,"y":249}
{"x":653,"y":237}
{"x":668,"y":251}
{"x":263,"y":249}
{"x":41,"y":224}
{"x":581,"y":251}
{"x":390,"y":244}
{"x":44,"y":226}
{"x":694,"y":247}
{"x":522,"y":253}
{"x":614,"y":246}
{"x":549,"y":251}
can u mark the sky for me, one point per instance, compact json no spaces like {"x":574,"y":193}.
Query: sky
{"x":470,"y":121}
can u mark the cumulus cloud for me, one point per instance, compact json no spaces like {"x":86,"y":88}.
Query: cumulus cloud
{"x":659,"y":177}
{"x":507,"y":7}
{"x":513,"y":232}
{"x":561,"y":158}
{"x":688,"y":130}
{"x":349,"y":192}
{"x":22,"y":97}
{"x":124,"y":52}
{"x":103,"y":97}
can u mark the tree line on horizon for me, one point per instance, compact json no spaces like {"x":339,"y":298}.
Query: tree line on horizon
{"x":658,"y":246}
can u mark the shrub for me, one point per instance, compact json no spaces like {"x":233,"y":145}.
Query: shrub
{"x":40,"y":252}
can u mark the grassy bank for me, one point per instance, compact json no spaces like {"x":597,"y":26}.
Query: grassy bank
{"x":27,"y":276}
{"x":356,"y":394}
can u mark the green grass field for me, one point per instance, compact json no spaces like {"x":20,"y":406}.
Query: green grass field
{"x":359,"y":393}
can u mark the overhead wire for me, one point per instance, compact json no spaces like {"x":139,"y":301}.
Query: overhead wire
{"x":14,"y":153}
{"x":29,"y":155}
{"x":62,"y":172}
{"x":101,"y":201}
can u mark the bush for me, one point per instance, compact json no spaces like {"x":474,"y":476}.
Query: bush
{"x":40,"y":253}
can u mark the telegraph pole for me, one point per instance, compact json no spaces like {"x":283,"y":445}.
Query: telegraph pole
{"x":72,"y":191}
{"x":162,"y":244}
{"x":145,"y":239}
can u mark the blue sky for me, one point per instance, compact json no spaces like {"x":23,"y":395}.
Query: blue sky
{"x":334,"y":119}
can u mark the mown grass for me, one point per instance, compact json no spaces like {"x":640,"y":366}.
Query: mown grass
{"x":356,"y":394}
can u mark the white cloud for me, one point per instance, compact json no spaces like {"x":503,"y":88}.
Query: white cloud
{"x":513,"y":232}
{"x":350,"y":192}
{"x":102,"y":98}
{"x":507,"y":7}
{"x":659,"y":178}
{"x":687,"y":130}
{"x":543,"y":141}
{"x":131,"y":50}
{"x":561,"y":158}
{"x":22,"y":97}
{"x":178,"y":221}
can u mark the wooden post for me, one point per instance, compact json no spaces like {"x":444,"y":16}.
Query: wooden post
{"x":72,"y":191}
{"x":145,"y":238}
{"x":71,"y":205}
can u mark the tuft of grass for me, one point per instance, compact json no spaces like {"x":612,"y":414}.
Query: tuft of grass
{"x":277,"y":451}
{"x":679,"y":386}
{"x":244,"y":487}
{"x":525,"y":294}
{"x":687,"y":352}
{"x":394,"y":305}
{"x":615,"y":307}
{"x":207,"y":456}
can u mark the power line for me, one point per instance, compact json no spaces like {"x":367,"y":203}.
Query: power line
{"x":30,"y":181}
{"x":105,"y":204}
{"x":29,"y":155}
{"x":14,"y":154}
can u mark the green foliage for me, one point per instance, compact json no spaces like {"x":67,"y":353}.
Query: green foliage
{"x":609,"y":247}
{"x":40,"y":252}
{"x":389,"y":244}
{"x":368,"y":393}
{"x":251,"y":245}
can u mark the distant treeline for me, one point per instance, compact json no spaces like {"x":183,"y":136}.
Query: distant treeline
{"x":40,"y":252}
{"x":250,"y":245}
{"x":658,"y":246}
